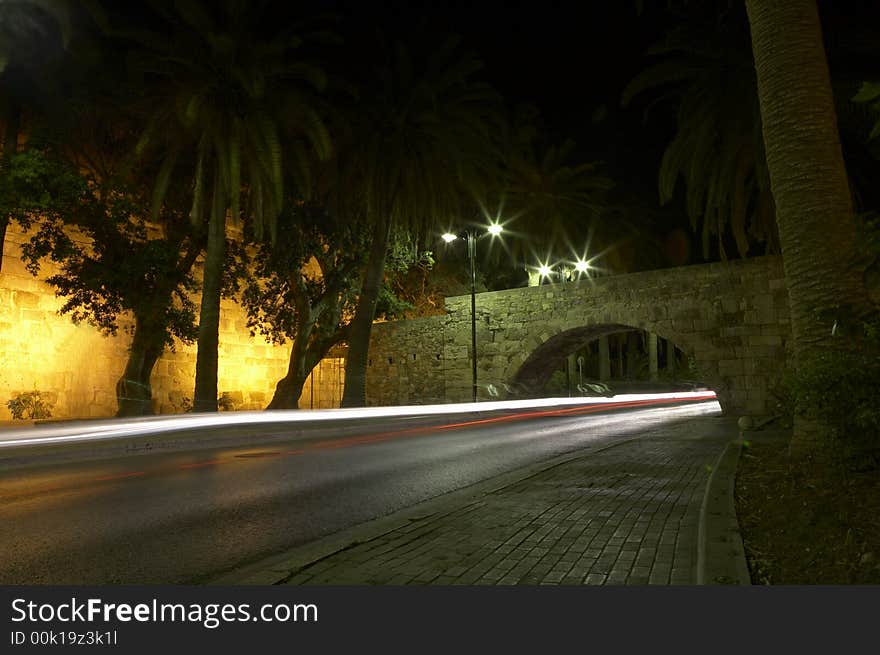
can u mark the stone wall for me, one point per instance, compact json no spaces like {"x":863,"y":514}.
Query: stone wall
{"x":78,"y":368}
{"x":414,"y":362}
{"x":732,"y":318}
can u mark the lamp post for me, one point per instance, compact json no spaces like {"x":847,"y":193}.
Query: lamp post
{"x":494,"y":229}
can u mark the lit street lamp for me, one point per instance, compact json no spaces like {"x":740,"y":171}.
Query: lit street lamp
{"x":568,"y":272}
{"x":494,"y":229}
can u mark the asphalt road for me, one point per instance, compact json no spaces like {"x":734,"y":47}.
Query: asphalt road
{"x":187,"y":517}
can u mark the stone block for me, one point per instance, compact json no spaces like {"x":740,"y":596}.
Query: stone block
{"x":455,"y":352}
{"x":764,"y":340}
{"x":731,"y":367}
{"x":682,"y":325}
{"x":766,"y":351}
{"x":25,"y":299}
{"x":730,"y":305}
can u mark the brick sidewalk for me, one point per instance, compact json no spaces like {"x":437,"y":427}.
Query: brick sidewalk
{"x":627,"y":514}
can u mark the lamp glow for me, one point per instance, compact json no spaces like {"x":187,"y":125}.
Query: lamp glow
{"x":495,"y":229}
{"x":581,"y":266}
{"x":449,"y":237}
{"x":544,"y":270}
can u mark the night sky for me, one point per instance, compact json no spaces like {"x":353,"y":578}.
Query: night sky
{"x":568,"y":59}
{"x":572,"y":60}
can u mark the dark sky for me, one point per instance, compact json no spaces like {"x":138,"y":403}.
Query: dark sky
{"x":567,"y":58}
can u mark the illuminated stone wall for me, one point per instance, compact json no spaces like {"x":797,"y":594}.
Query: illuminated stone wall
{"x":78,"y":368}
{"x":732,"y":318}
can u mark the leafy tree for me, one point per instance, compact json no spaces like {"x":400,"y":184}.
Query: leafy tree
{"x":232,"y":91}
{"x":111,"y":261}
{"x":425,"y":137}
{"x":304,"y":288}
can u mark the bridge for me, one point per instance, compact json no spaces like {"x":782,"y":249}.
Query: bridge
{"x":729,"y":319}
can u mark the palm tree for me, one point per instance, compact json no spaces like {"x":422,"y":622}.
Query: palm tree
{"x":228,"y":89}
{"x":718,"y":149}
{"x":547,"y":194}
{"x":814,"y":210}
{"x":425,"y":137}
{"x":869,"y":93}
{"x":705,"y":66}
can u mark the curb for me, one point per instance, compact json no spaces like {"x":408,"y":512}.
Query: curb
{"x":721,"y":558}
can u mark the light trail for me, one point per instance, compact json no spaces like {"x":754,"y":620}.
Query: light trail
{"x":131,"y":427}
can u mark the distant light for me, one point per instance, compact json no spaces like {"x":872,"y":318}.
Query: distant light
{"x":581,"y":266}
{"x":449,"y":237}
{"x":495,"y":229}
{"x":544,"y":270}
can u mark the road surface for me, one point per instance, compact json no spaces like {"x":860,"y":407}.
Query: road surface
{"x":186,"y":517}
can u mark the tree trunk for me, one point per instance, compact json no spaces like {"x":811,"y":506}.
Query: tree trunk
{"x":814,"y":211}
{"x":134,"y":395}
{"x":288,"y":390}
{"x":205,"y":394}
{"x":355,"y":393}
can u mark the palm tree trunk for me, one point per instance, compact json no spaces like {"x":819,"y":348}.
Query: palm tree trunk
{"x":205,"y":394}
{"x":814,"y":210}
{"x":355,"y":392}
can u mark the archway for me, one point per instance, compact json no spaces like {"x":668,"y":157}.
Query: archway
{"x":629,"y":359}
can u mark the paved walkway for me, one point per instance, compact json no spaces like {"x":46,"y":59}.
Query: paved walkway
{"x":629,"y":513}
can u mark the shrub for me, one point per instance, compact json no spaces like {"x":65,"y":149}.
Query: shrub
{"x":841,"y":390}
{"x":30,"y":405}
{"x":225,"y":402}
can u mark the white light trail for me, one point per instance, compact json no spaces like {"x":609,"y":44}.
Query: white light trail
{"x":131,"y":427}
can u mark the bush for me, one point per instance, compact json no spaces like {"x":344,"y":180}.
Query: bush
{"x":841,"y":390}
{"x":225,"y":403}
{"x":29,"y":406}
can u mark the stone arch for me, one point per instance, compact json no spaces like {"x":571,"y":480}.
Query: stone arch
{"x":732,"y":318}
{"x":532,"y":369}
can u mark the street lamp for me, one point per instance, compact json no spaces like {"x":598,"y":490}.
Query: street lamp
{"x":566,"y":271}
{"x":494,"y":229}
